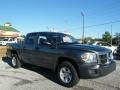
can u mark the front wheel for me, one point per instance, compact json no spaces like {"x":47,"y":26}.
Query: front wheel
{"x":67,"y":74}
{"x":15,"y":61}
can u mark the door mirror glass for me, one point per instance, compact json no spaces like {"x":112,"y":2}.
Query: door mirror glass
{"x":43,"y":41}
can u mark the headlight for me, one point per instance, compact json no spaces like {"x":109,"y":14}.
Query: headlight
{"x":89,"y":57}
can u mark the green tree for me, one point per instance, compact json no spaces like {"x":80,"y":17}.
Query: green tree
{"x":106,"y":37}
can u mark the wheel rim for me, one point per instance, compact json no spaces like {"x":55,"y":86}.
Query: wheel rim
{"x":65,"y":75}
{"x":14,"y":61}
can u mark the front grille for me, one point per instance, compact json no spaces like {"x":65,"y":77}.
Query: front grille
{"x":104,"y":58}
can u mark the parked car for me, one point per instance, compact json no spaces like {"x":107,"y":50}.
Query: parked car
{"x":117,"y":52}
{"x":6,"y":41}
{"x":106,"y":45}
{"x":64,"y":55}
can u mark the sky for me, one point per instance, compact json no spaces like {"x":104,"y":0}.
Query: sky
{"x":62,"y":15}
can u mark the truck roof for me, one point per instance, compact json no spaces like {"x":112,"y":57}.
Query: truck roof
{"x":46,"y":33}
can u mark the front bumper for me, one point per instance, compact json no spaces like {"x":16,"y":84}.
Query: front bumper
{"x":93,"y":71}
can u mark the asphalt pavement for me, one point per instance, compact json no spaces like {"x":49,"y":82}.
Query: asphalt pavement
{"x":35,"y":78}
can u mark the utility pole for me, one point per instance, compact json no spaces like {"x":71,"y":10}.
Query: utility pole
{"x":66,"y":26}
{"x":83,"y":27}
{"x":98,"y":35}
{"x":111,"y":34}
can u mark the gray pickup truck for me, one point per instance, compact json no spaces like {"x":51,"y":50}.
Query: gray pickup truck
{"x":64,"y":55}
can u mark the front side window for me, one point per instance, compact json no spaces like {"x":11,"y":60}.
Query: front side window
{"x":11,"y":39}
{"x":63,"y":39}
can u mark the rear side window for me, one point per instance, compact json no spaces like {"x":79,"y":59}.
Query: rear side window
{"x":31,"y":38}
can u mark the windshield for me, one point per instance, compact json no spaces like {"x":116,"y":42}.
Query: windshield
{"x":63,"y":39}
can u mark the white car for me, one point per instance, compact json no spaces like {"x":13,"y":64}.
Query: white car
{"x":106,"y":45}
{"x":6,"y":41}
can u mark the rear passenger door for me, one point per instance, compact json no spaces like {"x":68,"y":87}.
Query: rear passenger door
{"x":29,"y":48}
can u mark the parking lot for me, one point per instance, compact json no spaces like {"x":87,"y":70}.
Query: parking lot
{"x":35,"y":78}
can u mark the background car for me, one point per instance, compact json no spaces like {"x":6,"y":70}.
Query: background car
{"x":6,"y":41}
{"x":106,"y":45}
{"x":117,"y":52}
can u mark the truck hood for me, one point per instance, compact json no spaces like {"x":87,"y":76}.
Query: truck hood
{"x":84,"y":47}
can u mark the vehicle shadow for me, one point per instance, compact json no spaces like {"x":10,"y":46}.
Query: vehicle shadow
{"x":7,"y":60}
{"x":48,"y":74}
{"x":42,"y":71}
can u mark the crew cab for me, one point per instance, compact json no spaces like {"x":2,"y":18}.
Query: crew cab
{"x":63,"y":54}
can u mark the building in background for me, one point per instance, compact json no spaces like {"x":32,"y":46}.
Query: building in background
{"x":8,"y":34}
{"x":7,"y":31}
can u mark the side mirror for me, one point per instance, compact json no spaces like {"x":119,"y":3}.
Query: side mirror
{"x":45,"y":42}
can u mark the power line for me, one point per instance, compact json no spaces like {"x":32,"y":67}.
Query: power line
{"x":96,"y":25}
{"x":103,"y":24}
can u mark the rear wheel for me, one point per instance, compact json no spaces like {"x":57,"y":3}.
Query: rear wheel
{"x":67,"y":74}
{"x":15,"y":61}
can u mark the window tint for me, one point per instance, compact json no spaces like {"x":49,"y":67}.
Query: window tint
{"x":62,"y":39}
{"x":57,"y":39}
{"x":31,"y":39}
{"x":42,"y":40}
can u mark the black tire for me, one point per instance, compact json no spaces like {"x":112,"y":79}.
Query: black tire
{"x":73,"y":74}
{"x":15,"y":61}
